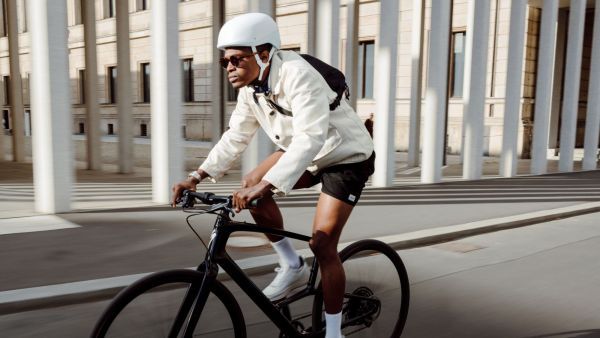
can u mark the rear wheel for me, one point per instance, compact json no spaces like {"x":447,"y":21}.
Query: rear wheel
{"x":377,"y":292}
{"x":148,"y":308}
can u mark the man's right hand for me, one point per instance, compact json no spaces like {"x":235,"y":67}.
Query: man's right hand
{"x":178,"y":188}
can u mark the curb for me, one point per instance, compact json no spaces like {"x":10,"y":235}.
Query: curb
{"x":50,"y":296}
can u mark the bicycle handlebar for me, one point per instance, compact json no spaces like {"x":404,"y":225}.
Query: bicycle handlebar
{"x":189,"y":198}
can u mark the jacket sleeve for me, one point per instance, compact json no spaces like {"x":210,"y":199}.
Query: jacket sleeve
{"x":310,"y":109}
{"x":242,"y":127}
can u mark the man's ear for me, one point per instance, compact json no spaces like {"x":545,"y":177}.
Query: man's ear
{"x":264,"y":56}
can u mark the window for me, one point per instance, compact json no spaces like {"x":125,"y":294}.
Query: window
{"x":5,"y":119}
{"x":111,"y":129}
{"x":145,"y":71}
{"x":6,"y":80}
{"x":4,"y":19}
{"x":143,"y":5}
{"x":82,"y":86}
{"x":112,"y":7}
{"x":366,"y":66}
{"x":232,"y":93}
{"x":27,"y":95}
{"x":293,"y":49}
{"x":457,"y":65}
{"x":27,"y":122}
{"x":112,"y":84}
{"x":188,"y":80}
{"x":78,"y":12}
{"x":81,"y":128}
{"x":143,"y":129}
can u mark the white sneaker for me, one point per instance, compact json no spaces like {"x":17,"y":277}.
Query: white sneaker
{"x":287,"y":280}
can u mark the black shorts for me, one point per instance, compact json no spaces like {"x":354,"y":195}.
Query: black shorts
{"x":345,"y":182}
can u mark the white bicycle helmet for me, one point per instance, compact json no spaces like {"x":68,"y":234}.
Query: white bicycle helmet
{"x":250,"y":30}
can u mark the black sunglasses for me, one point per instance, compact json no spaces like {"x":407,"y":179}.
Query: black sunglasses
{"x":235,"y":60}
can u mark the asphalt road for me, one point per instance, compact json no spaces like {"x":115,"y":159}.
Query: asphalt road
{"x":537,"y":281}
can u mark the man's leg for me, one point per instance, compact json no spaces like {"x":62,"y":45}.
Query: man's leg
{"x":330,"y":218}
{"x":293,"y":271}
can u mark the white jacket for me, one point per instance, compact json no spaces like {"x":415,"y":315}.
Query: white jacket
{"x":313,"y":138}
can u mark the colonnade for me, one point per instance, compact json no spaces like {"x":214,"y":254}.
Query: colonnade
{"x":53,"y":161}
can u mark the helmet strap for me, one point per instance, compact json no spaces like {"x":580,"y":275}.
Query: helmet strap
{"x":261,"y":64}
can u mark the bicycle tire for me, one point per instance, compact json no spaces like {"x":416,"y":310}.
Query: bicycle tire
{"x":164,"y":282}
{"x":371,"y":255}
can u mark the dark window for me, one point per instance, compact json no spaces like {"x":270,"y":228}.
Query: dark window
{"x":112,"y":7}
{"x":366,"y":66}
{"x":188,"y":80}
{"x":293,"y":49}
{"x":6,"y":90}
{"x":81,"y":128}
{"x":111,"y":129}
{"x":5,"y":119}
{"x":82,"y":86}
{"x":232,"y":93}
{"x":143,"y":129}
{"x":112,"y":84}
{"x":4,"y":19}
{"x":145,"y":82}
{"x":457,"y":64}
{"x":183,"y":131}
{"x":144,"y":5}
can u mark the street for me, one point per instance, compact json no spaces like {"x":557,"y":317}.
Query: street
{"x":537,"y":281}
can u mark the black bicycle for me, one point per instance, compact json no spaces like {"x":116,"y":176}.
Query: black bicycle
{"x":191,"y":303}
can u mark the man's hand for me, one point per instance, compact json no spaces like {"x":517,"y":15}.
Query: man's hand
{"x":178,"y":188}
{"x":243,"y":197}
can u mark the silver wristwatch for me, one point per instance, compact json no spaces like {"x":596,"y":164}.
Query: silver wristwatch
{"x":195,"y":175}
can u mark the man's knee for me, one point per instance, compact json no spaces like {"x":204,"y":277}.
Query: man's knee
{"x":323,"y":246}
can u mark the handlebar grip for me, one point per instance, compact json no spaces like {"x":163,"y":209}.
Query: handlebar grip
{"x":254,"y":204}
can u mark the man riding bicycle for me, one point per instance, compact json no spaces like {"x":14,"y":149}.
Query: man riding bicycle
{"x":316,"y":145}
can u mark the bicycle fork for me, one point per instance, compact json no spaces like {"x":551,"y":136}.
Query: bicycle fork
{"x":195,"y":299}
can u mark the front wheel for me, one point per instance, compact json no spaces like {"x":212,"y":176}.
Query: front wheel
{"x":150,"y":306}
{"x":377,"y":292}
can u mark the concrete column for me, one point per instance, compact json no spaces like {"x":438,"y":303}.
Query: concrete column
{"x":94,"y":159}
{"x":592,"y":121}
{"x":559,"y":70}
{"x":476,"y":53}
{"x":514,"y":84}
{"x":436,"y":93}
{"x":544,"y":84}
{"x":217,"y":75}
{"x":327,"y":31}
{"x":386,"y":50}
{"x":124,"y":106}
{"x":51,"y":108}
{"x":261,"y":146}
{"x":311,"y":30}
{"x":416,"y":82}
{"x":16,"y":93}
{"x":167,"y":152}
{"x":352,"y":20}
{"x":570,"y":105}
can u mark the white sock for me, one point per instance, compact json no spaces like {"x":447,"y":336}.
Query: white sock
{"x":287,"y":253}
{"x":333,"y":325}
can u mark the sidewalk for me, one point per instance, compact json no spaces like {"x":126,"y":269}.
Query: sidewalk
{"x":98,"y":251}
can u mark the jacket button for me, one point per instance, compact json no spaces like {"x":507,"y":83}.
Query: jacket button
{"x":272,"y":113}
{"x":277,"y":137}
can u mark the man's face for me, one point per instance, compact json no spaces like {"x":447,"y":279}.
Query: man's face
{"x":247,"y":69}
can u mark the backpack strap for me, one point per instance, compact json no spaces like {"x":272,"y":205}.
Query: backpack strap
{"x":279,"y":108}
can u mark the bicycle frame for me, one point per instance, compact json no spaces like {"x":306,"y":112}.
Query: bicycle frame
{"x":217,"y":256}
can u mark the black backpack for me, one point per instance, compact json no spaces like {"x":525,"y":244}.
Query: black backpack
{"x":334,"y":78}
